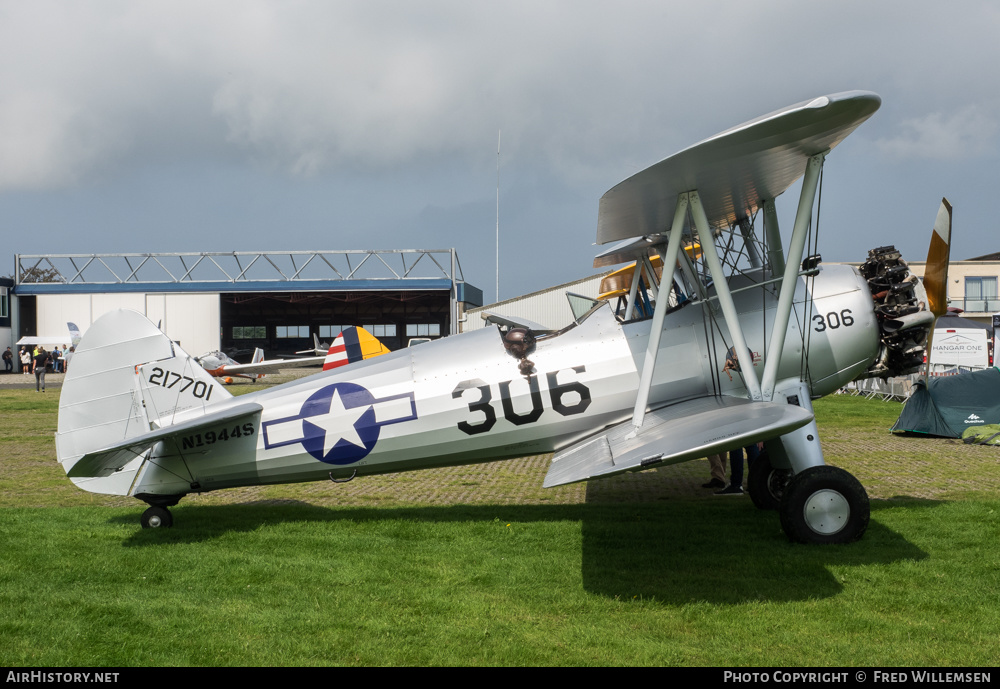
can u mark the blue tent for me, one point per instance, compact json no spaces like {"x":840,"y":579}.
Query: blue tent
{"x":948,"y":405}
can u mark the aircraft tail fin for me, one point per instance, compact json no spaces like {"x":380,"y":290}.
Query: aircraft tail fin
{"x":127,"y":379}
{"x":258,"y":356}
{"x":74,"y":334}
{"x":354,"y":344}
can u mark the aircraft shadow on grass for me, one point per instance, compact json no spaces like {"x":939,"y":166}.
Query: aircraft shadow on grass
{"x":675,"y":552}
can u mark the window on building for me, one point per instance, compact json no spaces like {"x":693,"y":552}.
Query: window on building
{"x":291,"y":331}
{"x":330,"y":331}
{"x":249,"y":332}
{"x":423,"y":330}
{"x":4,"y":303}
{"x":382,"y":330}
{"x":981,"y":294}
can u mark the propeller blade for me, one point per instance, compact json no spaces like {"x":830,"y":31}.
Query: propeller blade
{"x":936,"y":272}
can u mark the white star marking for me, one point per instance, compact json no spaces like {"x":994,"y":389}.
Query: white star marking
{"x":339,"y":423}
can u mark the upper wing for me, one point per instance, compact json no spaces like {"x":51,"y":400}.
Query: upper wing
{"x":735,"y":170}
{"x":676,"y":433}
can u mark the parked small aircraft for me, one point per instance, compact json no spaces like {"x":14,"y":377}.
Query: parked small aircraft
{"x":73,"y":337}
{"x":353,"y":344}
{"x":221,"y":365}
{"x":610,"y":392}
{"x":319,"y":348}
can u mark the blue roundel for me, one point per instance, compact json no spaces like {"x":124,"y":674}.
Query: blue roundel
{"x":338,"y":423}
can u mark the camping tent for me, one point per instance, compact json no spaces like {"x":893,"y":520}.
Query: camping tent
{"x":948,"y":405}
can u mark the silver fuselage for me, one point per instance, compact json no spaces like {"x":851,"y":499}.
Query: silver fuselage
{"x":463,"y":399}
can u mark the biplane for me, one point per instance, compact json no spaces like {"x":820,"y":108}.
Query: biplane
{"x":618,"y":389}
{"x":73,"y":337}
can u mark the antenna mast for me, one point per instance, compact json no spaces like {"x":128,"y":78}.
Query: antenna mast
{"x":498,"y":215}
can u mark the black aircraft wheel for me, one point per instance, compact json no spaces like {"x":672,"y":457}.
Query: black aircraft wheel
{"x":157,"y":517}
{"x":766,"y":484}
{"x":824,"y":504}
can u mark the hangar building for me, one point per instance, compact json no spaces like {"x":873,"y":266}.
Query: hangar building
{"x":236,"y":301}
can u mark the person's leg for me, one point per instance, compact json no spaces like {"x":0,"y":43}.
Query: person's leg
{"x":735,"y":486}
{"x":717,"y":468}
{"x":736,"y":467}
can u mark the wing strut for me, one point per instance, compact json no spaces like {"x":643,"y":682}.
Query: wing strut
{"x":746,"y":229}
{"x":714,"y":263}
{"x":656,"y":328}
{"x":633,"y":292}
{"x":773,"y":236}
{"x":789,"y":279}
{"x":653,"y":285}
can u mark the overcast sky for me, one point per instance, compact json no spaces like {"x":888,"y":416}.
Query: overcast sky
{"x":299,"y":125}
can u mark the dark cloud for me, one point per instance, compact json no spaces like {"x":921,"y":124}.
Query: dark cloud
{"x":184,"y":125}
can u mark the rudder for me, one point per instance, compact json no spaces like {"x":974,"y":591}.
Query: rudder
{"x":127,"y":378}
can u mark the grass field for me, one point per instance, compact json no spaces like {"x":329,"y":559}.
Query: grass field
{"x":480,"y":566}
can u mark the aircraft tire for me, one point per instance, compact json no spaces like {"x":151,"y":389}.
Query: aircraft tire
{"x":824,"y":505}
{"x":157,"y":517}
{"x":766,"y":484}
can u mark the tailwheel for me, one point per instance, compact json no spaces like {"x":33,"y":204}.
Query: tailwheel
{"x":824,"y":505}
{"x":156,"y":517}
{"x":766,"y":484}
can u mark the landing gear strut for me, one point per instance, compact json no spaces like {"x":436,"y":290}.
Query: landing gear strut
{"x":824,"y":504}
{"x":766,"y":484}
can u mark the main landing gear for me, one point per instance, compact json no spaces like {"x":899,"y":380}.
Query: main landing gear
{"x":824,"y":504}
{"x":821,"y":504}
{"x":766,"y":484}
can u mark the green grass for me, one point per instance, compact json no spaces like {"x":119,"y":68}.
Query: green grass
{"x":593,"y":582}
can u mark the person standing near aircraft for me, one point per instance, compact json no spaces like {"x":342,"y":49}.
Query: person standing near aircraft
{"x":717,"y":467}
{"x":41,"y":359}
{"x":735,"y":486}
{"x":25,"y":361}
{"x":8,"y":361}
{"x":67,"y":355}
{"x":55,"y":359}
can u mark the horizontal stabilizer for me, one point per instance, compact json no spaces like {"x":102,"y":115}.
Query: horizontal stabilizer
{"x":687,"y":430}
{"x":107,"y":460}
